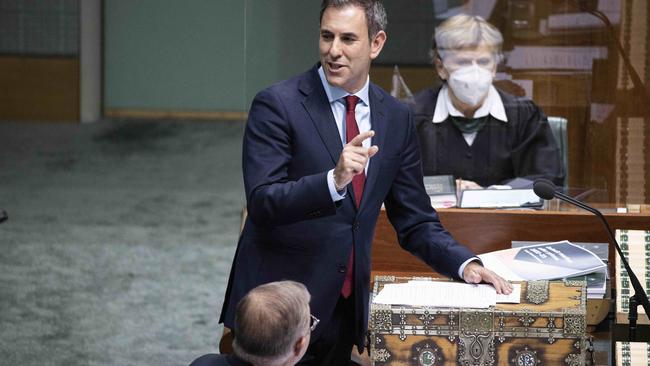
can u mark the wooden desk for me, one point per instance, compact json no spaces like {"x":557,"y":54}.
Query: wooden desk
{"x":484,"y":230}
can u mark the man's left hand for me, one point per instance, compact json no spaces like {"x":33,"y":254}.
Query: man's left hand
{"x":474,"y":272}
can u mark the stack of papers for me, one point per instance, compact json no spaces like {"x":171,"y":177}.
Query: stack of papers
{"x":499,"y":198}
{"x":444,"y":294}
{"x":597,"y":281}
{"x":596,"y":284}
{"x":441,"y":189}
{"x":546,"y":261}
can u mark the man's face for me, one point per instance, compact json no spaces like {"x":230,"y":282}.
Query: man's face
{"x":345,"y":50}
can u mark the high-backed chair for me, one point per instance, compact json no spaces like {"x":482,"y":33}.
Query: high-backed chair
{"x":559,"y":128}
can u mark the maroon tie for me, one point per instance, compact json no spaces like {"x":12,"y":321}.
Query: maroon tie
{"x":351,"y":130}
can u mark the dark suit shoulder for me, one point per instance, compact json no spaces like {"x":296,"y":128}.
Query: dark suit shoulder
{"x":301,"y":83}
{"x":212,"y":359}
{"x":393,"y":105}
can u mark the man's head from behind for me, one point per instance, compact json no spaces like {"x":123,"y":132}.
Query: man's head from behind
{"x":351,"y":36}
{"x":272,"y":324}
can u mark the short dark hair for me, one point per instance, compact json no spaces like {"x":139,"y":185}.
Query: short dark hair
{"x":375,"y":13}
{"x":270,"y":319}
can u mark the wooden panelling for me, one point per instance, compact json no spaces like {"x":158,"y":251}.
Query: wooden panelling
{"x":169,"y":114}
{"x":42,"y":88}
{"x":488,"y":230}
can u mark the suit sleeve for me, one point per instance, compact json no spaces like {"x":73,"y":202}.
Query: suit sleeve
{"x":417,"y":225}
{"x":275,"y":197}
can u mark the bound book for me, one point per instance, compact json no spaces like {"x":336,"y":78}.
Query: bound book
{"x":547,"y":261}
{"x":441,"y":190}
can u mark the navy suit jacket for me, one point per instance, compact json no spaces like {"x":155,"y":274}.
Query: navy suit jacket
{"x":295,"y":231}
{"x":212,"y":359}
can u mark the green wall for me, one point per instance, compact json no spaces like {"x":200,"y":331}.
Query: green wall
{"x":203,"y":55}
{"x":282,"y":38}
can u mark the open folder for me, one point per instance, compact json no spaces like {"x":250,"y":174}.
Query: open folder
{"x":499,"y":198}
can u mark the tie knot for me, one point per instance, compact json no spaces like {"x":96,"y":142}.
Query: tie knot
{"x":351,"y":102}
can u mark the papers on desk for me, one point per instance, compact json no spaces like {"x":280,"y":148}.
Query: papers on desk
{"x":499,"y":198}
{"x":547,"y":261}
{"x":444,"y":294}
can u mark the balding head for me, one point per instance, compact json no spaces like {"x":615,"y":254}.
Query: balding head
{"x":270,"y":320}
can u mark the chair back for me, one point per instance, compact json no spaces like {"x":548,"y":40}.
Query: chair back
{"x":559,"y":128}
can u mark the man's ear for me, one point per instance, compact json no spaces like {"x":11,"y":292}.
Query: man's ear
{"x":301,"y":345}
{"x":377,"y":44}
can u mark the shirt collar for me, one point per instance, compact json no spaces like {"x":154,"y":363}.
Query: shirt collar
{"x":335,"y":93}
{"x":493,"y":105}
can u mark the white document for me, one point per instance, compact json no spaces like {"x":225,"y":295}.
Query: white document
{"x":486,"y":198}
{"x":439,"y":294}
{"x":513,"y":298}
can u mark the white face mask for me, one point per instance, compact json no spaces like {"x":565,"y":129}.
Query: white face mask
{"x":470,"y":83}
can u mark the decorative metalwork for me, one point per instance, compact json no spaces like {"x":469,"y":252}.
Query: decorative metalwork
{"x":476,"y":349}
{"x":426,"y":318}
{"x":381,"y":355}
{"x":402,"y":324}
{"x":426,"y":354}
{"x":537,"y":292}
{"x":384,"y":279}
{"x":574,"y":324}
{"x":502,"y":325}
{"x":526,"y":320}
{"x":451,"y":321}
{"x":574,"y":283}
{"x":477,"y":332}
{"x":526,"y":357}
{"x":573,"y":360}
{"x":476,"y":321}
{"x":417,"y":278}
{"x":577,"y":344}
{"x":381,"y":318}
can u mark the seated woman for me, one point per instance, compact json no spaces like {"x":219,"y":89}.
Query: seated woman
{"x":469,"y":129}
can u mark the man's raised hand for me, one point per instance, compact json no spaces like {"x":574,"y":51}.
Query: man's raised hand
{"x":353,"y":159}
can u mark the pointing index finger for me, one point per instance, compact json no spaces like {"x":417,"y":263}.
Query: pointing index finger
{"x":358,"y":139}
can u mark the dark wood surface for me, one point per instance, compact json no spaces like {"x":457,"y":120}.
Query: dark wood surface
{"x":485,"y":230}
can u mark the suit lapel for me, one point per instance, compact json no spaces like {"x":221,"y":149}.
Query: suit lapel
{"x":379,"y":123}
{"x":319,"y":110}
{"x":317,"y":106}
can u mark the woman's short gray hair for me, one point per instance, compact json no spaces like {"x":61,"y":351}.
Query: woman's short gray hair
{"x":465,"y":32}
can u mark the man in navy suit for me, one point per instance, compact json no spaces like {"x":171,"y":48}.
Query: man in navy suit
{"x":322,"y":151}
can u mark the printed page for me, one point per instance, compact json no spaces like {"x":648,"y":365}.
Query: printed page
{"x":437,"y":294}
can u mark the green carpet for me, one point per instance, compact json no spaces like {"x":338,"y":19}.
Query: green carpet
{"x":119,"y":240}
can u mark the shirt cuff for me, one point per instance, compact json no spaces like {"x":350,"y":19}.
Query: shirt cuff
{"x":336,"y":196}
{"x":462,"y":266}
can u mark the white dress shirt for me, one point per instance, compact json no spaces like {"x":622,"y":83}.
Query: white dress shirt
{"x":336,"y":97}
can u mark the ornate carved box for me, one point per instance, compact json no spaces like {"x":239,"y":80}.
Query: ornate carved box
{"x":546,"y":328}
